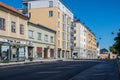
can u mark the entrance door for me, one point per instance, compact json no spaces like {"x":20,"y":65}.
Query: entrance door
{"x":45,"y":53}
{"x":30,"y":52}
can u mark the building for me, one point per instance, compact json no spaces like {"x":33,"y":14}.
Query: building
{"x":13,"y":34}
{"x":84,"y":41}
{"x":80,"y":34}
{"x":55,"y":15}
{"x":91,"y":45}
{"x":43,"y":39}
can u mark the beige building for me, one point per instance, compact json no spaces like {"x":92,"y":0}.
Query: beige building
{"x":91,"y":44}
{"x":13,"y":34}
{"x":57,"y":16}
{"x":43,"y":39}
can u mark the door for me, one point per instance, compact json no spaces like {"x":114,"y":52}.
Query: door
{"x":45,"y":53}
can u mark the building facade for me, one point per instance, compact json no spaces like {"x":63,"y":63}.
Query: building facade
{"x":55,"y":15}
{"x":13,"y":34}
{"x":91,"y":45}
{"x":43,"y":39}
{"x":80,"y":34}
{"x":84,"y":41}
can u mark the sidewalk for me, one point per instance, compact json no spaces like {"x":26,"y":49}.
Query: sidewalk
{"x":102,"y":71}
{"x":34,"y":61}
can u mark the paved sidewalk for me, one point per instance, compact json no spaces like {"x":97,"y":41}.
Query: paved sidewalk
{"x":34,"y":61}
{"x":105,"y":71}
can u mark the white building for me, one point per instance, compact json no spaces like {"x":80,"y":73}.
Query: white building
{"x":80,"y":34}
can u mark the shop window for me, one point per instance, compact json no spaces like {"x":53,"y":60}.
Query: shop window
{"x":39,"y":51}
{"x":4,"y":52}
{"x":51,"y":53}
{"x":21,"y":53}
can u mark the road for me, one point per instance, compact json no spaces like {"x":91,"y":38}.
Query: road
{"x":61,"y":70}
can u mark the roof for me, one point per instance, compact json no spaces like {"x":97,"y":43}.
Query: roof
{"x":42,"y":26}
{"x":11,"y":9}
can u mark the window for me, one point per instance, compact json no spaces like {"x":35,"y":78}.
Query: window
{"x":58,"y":42}
{"x":13,"y":26}
{"x":68,"y":29}
{"x":74,"y":38}
{"x":50,"y":13}
{"x":51,"y":39}
{"x":30,"y":34}
{"x":59,"y":15}
{"x":2,"y":24}
{"x":39,"y":36}
{"x":21,"y":29}
{"x":75,"y":44}
{"x":46,"y":38}
{"x":64,"y":44}
{"x":64,"y":18}
{"x":68,"y":45}
{"x":74,"y":31}
{"x":58,"y":23}
{"x":68,"y":37}
{"x":29,"y":5}
{"x":58,"y":33}
{"x":68,"y":20}
{"x":64,"y":36}
{"x":50,"y":3}
{"x":64,"y":27}
{"x":39,"y":51}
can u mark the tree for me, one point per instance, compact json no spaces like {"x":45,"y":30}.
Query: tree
{"x":113,"y":50}
{"x":117,"y":43}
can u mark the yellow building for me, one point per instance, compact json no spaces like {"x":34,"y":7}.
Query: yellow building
{"x":57,"y":16}
{"x":91,"y":44}
{"x":13,"y":34}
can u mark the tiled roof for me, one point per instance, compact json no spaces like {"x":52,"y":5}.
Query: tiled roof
{"x":11,"y":8}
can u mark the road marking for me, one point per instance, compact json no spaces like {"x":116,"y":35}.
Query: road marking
{"x":64,"y":67}
{"x":46,"y":72}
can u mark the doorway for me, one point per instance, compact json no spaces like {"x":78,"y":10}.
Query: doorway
{"x":45,"y":53}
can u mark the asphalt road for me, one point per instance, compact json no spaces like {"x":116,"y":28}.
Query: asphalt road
{"x":62,"y":70}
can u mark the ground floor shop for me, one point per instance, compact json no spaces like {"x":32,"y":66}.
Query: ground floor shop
{"x":43,"y":51}
{"x":13,"y":49}
{"x":84,"y":53}
{"x":63,"y":53}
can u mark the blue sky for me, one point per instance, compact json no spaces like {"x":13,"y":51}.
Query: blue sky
{"x":101,"y":16}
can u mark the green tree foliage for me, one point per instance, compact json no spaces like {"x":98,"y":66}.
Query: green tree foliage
{"x":113,"y":50}
{"x":116,"y":45}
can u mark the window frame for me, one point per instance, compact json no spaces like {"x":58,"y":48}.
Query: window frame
{"x":22,"y":29}
{"x":50,"y":3}
{"x":2,"y":24}
{"x":46,"y":37}
{"x":13,"y":26}
{"x":50,"y":13}
{"x":32,"y":34}
{"x":39,"y":36}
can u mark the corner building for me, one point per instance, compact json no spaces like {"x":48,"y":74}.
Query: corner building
{"x":13,"y":34}
{"x":57,"y":16}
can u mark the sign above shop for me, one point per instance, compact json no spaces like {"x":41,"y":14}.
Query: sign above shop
{"x":16,"y":41}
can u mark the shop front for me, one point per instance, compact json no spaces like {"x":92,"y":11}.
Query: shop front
{"x":12,"y":50}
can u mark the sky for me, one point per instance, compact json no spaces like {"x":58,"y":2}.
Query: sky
{"x":101,"y":16}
